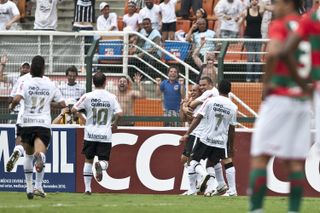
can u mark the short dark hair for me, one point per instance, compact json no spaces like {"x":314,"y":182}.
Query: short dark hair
{"x":99,"y":78}
{"x":297,"y":5}
{"x":173,"y":67}
{"x":37,"y":66}
{"x":146,"y":19}
{"x":208,"y":79}
{"x":224,"y":87}
{"x":71,"y":69}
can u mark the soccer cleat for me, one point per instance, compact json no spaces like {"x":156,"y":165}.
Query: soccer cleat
{"x":203,"y":185}
{"x":40,"y":193}
{"x":221,"y":190}
{"x":30,"y":196}
{"x":39,"y":162}
{"x":87,"y":193}
{"x":98,"y":171}
{"x":230,"y":194}
{"x":211,"y":187}
{"x":12,"y":160}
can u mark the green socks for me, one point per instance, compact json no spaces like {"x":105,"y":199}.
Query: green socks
{"x":296,"y":191}
{"x":258,"y":188}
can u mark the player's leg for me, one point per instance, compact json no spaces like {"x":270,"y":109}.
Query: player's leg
{"x":200,"y":151}
{"x":103,"y":152}
{"x":28,"y":161}
{"x":231,"y":177}
{"x":89,"y":151}
{"x":18,"y":150}
{"x":296,"y":178}
{"x":222,"y":186}
{"x":258,"y":182}
{"x":41,"y":143}
{"x":212,"y":183}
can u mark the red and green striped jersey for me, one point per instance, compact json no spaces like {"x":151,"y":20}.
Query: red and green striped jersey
{"x":309,"y":29}
{"x":282,"y":82}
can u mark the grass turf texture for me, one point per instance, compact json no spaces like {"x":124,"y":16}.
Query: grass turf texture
{"x":98,"y":202}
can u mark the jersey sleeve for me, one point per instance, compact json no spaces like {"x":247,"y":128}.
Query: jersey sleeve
{"x":14,"y":89}
{"x":276,"y":30}
{"x":21,"y":89}
{"x":162,"y":86}
{"x":233,"y":120}
{"x":57,"y":95}
{"x":204,"y":108}
{"x":81,"y":103}
{"x":304,"y":27}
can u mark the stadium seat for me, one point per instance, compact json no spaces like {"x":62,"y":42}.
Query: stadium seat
{"x":180,"y":49}
{"x":235,"y":57}
{"x":148,"y":107}
{"x":107,"y":49}
{"x":211,"y":24}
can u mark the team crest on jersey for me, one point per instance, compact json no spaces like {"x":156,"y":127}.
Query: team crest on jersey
{"x":176,"y":87}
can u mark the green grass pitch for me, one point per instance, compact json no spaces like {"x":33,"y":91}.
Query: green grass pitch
{"x":99,"y":202}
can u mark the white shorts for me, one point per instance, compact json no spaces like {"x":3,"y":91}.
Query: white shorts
{"x":316,"y":99}
{"x":283,"y":128}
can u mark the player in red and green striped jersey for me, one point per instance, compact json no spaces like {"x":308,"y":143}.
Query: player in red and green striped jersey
{"x":282,"y":128}
{"x":309,"y":29}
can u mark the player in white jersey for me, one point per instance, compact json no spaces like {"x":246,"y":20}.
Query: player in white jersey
{"x":209,"y":90}
{"x":221,"y":113}
{"x":100,"y":106}
{"x":37,"y":93}
{"x":18,"y":149}
{"x":72,"y":90}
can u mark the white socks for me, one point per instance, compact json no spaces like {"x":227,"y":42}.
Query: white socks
{"x":28,"y":171}
{"x":231,"y":177}
{"x":20,"y":149}
{"x":219,"y":174}
{"x":87,"y":176}
{"x":40,"y":175}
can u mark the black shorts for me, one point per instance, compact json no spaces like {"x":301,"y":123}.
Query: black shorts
{"x":168,"y":27}
{"x":92,"y":148}
{"x":29,"y":134}
{"x":189,"y":145}
{"x":202,"y":151}
{"x":18,"y":130}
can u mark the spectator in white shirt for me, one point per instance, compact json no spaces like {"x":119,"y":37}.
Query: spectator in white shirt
{"x":9,"y":15}
{"x":131,"y":18}
{"x":46,"y":17}
{"x":151,"y":11}
{"x":168,"y":18}
{"x":229,"y":13}
{"x":107,"y":21}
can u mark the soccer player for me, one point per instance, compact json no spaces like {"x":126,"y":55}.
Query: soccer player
{"x":283,"y":126}
{"x":219,"y":115}
{"x":18,"y":150}
{"x":37,"y":93}
{"x":208,"y":89}
{"x":100,"y":106}
{"x":309,"y":29}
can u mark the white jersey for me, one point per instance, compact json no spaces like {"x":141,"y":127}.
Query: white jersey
{"x":46,"y":16}
{"x":208,"y":94}
{"x":38,"y":93}
{"x":73,"y":92}
{"x":204,"y":121}
{"x":153,"y":14}
{"x":105,"y":24}
{"x":131,"y":21}
{"x":20,"y":107}
{"x":168,"y":11}
{"x":8,"y":10}
{"x":100,"y":106}
{"x":220,"y":112}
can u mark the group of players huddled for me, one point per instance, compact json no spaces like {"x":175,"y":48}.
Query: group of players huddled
{"x":282,"y":128}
